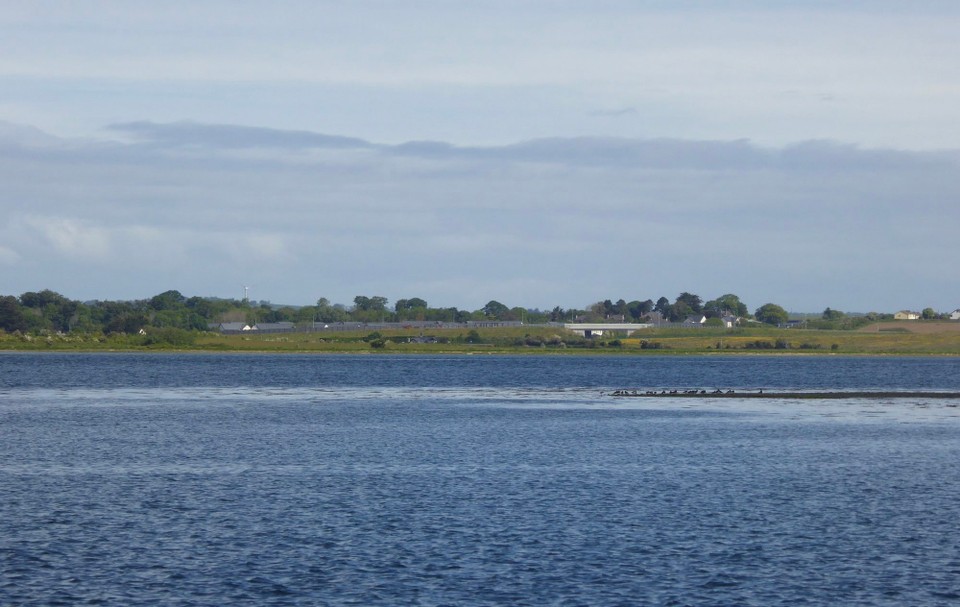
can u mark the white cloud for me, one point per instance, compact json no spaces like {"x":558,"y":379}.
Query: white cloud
{"x":71,"y":237}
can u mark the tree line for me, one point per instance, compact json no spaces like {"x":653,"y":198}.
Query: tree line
{"x":49,"y":311}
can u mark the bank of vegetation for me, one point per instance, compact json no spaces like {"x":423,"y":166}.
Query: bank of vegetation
{"x":526,"y":339}
{"x":47,"y":320}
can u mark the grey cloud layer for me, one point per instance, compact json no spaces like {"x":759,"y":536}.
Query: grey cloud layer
{"x":546,"y":222}
{"x":878,"y":73}
{"x":584,"y":151}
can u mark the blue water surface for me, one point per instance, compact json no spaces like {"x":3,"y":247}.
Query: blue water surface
{"x":113,"y":370}
{"x":473,"y":480}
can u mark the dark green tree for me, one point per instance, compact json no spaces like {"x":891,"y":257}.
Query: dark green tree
{"x":41,"y":299}
{"x":495,"y":310}
{"x":413,"y":303}
{"x":518,"y":313}
{"x":772,"y":314}
{"x":112,"y":315}
{"x":370,"y":304}
{"x":679,"y":311}
{"x":127,"y":323}
{"x":662,"y":306}
{"x":202,"y":307}
{"x":829,"y":314}
{"x":168,"y":300}
{"x":369,"y":309}
{"x":724,"y":305}
{"x":411,"y":309}
{"x":557,"y":314}
{"x":11,"y":316}
{"x":639,"y":309}
{"x":361,"y":303}
{"x":55,"y":311}
{"x":327,"y":312}
{"x":694,"y":303}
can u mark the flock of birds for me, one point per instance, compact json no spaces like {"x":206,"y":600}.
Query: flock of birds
{"x":669,"y":392}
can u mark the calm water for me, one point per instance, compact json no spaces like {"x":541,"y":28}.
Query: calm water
{"x":473,"y":480}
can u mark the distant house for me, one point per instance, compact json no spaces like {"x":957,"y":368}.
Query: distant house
{"x":596,"y":329}
{"x":955,"y":315}
{"x":696,"y":320}
{"x":233,"y":327}
{"x":654,"y":317}
{"x":729,"y":321}
{"x":906,"y":315}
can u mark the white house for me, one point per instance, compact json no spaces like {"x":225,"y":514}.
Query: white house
{"x":906,"y":315}
{"x":955,"y":315}
{"x":729,"y":321}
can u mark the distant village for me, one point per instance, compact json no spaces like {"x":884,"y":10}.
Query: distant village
{"x":48,"y":312}
{"x":580,"y":325}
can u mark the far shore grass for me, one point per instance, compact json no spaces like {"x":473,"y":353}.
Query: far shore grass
{"x":532,"y":340}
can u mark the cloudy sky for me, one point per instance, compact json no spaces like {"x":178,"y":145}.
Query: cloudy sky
{"x":539,"y":153}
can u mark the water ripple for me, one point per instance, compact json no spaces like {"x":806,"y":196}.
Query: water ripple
{"x":470,"y":495}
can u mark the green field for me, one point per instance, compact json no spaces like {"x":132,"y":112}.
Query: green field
{"x":770,"y":341}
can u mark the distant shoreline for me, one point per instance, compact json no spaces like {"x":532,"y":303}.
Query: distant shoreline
{"x":942,"y":340}
{"x":478,"y":352}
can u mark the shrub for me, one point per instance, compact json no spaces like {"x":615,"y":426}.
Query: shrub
{"x":169,"y":336}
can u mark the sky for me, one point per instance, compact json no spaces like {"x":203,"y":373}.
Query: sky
{"x":538,"y":153}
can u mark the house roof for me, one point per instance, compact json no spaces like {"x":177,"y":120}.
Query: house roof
{"x":274,"y":326}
